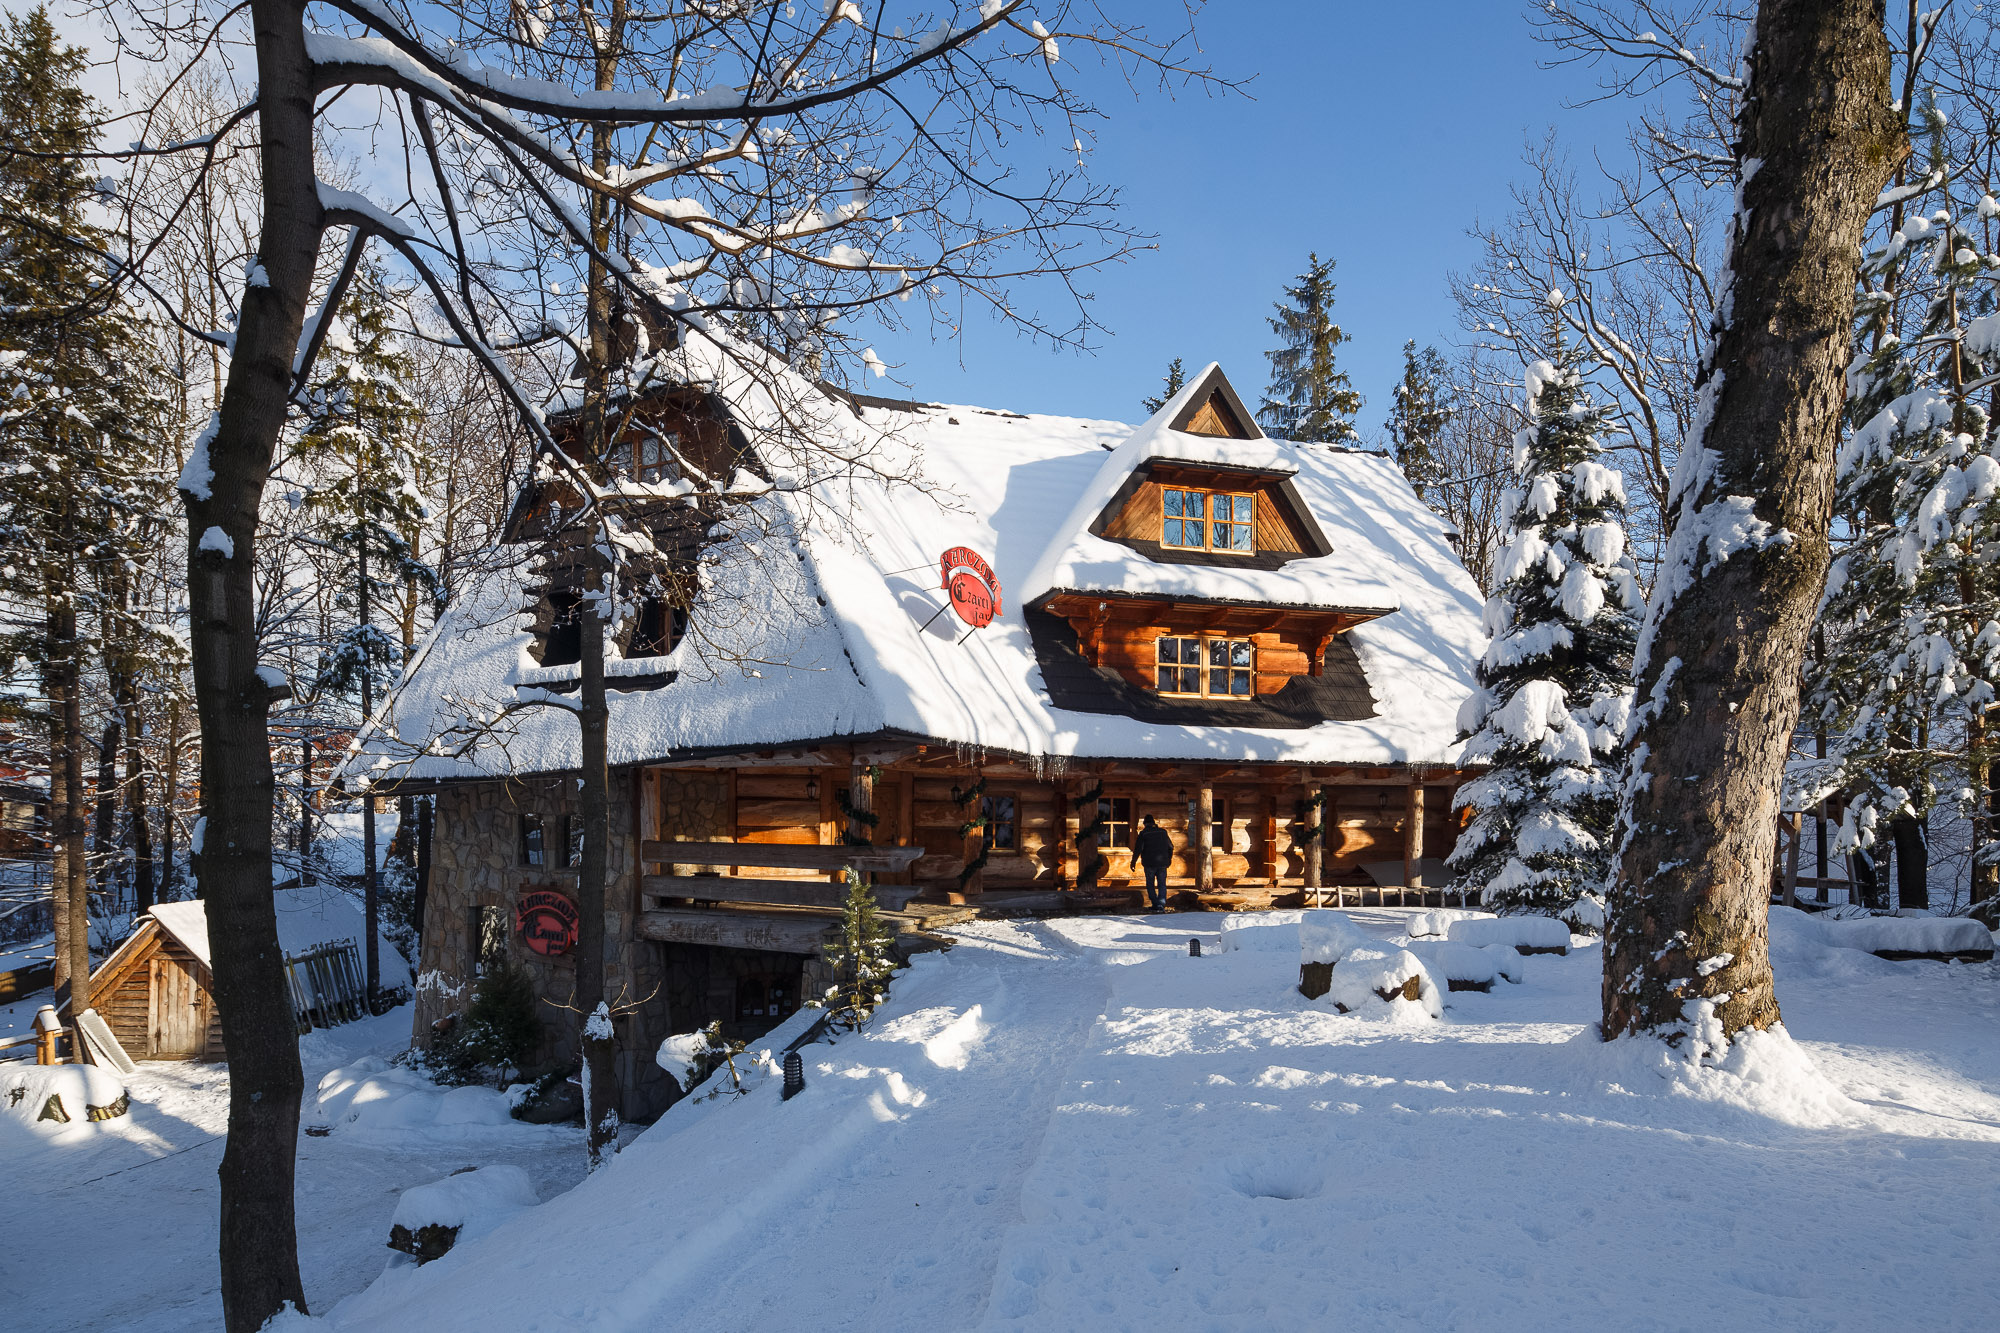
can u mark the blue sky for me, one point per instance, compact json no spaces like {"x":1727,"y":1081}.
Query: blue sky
{"x":1372,"y":133}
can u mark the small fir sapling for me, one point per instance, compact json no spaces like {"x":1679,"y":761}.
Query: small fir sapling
{"x":500,"y":1029}
{"x":860,"y":958}
{"x":1549,"y":714}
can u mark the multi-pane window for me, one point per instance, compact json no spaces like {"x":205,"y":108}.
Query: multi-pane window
{"x":1116,"y":814}
{"x":648,"y":458}
{"x":1191,"y":664}
{"x":534,"y":842}
{"x":1001,"y":833}
{"x":1208,"y":521}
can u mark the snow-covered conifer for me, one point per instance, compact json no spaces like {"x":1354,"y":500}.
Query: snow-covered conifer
{"x":1549,"y":714}
{"x":1911,"y":615}
{"x":1309,"y":397}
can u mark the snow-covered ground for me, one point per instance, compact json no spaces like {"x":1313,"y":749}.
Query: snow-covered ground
{"x":114,"y":1224}
{"x":1074,"y":1125}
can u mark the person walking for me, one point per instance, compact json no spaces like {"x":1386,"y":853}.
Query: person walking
{"x":1154,"y":849}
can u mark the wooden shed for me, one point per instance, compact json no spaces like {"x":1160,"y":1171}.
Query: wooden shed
{"x":154,"y":994}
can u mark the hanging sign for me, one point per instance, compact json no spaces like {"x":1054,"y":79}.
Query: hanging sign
{"x":547,"y":921}
{"x":972,"y":585}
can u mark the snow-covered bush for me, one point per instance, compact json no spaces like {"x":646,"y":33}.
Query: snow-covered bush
{"x":498,"y":1033}
{"x":1549,"y":714}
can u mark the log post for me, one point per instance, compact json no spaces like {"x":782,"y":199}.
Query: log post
{"x":861,"y":804}
{"x":1059,"y":835}
{"x":906,"y":820}
{"x":829,"y":832}
{"x":1309,"y":835}
{"x":1413,"y":844}
{"x":1273,"y":865}
{"x":1086,"y":837}
{"x":1202,"y":843}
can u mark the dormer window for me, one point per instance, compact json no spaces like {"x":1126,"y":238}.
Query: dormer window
{"x":1208,"y":521}
{"x":645,"y":459}
{"x":1200,"y":665}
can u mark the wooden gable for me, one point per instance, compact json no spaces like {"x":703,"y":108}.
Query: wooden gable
{"x":156,"y":998}
{"x":1280,"y":528}
{"x":1214,"y":417}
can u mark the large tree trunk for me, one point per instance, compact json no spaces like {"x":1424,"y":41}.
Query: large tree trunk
{"x":1726,"y":634}
{"x":1913,"y":861}
{"x":371,"y":880}
{"x":68,"y":880}
{"x":259,"y":1240}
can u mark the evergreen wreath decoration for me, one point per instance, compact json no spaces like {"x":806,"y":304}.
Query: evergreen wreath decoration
{"x":867,"y":818}
{"x":1092,"y":801}
{"x":971,"y":796}
{"x":1313,"y":808}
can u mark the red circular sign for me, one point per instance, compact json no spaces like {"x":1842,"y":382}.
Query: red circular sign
{"x":972,"y":585}
{"x":547,"y":921}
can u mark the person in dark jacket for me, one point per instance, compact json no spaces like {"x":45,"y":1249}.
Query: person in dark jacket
{"x":1153,"y":850}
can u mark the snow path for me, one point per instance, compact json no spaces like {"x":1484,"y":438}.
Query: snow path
{"x":912,"y":1141}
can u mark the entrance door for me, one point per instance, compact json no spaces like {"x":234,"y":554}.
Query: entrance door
{"x":180,"y":1019}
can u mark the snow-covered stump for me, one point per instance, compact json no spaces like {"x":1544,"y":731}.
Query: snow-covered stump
{"x":430,"y":1219}
{"x":56,"y":1095}
{"x":1527,"y":934}
{"x":1357,"y":971}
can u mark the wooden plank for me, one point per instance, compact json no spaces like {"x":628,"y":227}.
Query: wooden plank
{"x":783,"y":892}
{"x":736,"y":930}
{"x":781,"y":856}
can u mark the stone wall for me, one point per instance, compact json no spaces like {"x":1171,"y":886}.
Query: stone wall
{"x":475,"y":863}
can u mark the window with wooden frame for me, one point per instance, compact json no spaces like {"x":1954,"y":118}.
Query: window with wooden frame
{"x":534,"y":842}
{"x":1002,"y":834}
{"x":1194,"y":664}
{"x":1115,"y":812}
{"x":1208,"y":521}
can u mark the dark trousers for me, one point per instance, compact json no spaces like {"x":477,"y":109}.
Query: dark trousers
{"x":1156,"y":885}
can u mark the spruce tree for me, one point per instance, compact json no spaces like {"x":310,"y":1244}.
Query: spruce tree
{"x":1549,"y":714}
{"x":1912,"y":603}
{"x":1309,"y":398}
{"x":1175,"y":381}
{"x":1419,"y":415}
{"x":78,"y":502}
{"x":361,"y":438}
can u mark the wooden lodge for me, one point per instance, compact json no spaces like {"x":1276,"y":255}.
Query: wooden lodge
{"x":1260,"y":645}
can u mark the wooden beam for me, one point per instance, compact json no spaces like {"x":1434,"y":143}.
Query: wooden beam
{"x":783,"y":892}
{"x":861,"y":800}
{"x":778,"y":855}
{"x":799,"y":934}
{"x":906,"y":819}
{"x":1273,"y":865}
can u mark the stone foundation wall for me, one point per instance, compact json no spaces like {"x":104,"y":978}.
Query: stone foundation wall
{"x":475,"y":862}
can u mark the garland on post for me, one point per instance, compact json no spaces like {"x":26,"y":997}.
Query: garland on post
{"x":1092,"y":801}
{"x":867,"y":818}
{"x":977,"y":824}
{"x":1312,"y":807}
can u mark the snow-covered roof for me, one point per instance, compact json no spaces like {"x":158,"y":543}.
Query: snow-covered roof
{"x":307,"y":918}
{"x":827,"y":627}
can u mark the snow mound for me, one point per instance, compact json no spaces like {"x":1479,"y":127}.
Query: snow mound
{"x":1506,"y":961}
{"x":1764,"y":1073}
{"x":55,"y":1099}
{"x":1260,"y":932}
{"x":375,"y":1098}
{"x":1367,"y":972}
{"x":475,"y":1201}
{"x":1522,"y":932}
{"x":1806,"y":945}
{"x":1459,"y":962}
{"x":1327,"y":934}
{"x":1438,"y":921}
